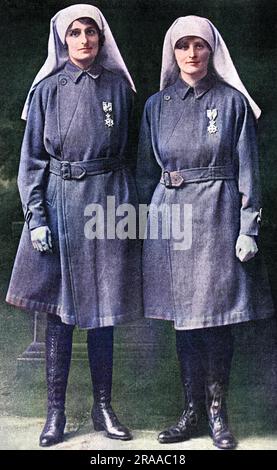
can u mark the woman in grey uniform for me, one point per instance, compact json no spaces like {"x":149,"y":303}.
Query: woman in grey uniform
{"x":72,"y":174}
{"x":198,"y":154}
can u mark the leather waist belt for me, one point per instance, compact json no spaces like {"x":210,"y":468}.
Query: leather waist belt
{"x":78,"y":170}
{"x":175,"y":179}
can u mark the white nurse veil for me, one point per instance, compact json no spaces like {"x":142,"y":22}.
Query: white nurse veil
{"x":222,"y":62}
{"x":109,"y":55}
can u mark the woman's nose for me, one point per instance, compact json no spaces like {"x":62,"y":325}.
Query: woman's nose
{"x":84,"y":38}
{"x":191,"y":51}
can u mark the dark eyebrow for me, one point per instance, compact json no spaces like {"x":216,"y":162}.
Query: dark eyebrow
{"x":79,"y":29}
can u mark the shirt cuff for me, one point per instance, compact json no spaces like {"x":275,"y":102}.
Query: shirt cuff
{"x":250,"y":222}
{"x":35,"y":218}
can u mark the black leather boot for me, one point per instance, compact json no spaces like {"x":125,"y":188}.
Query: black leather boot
{"x":100,"y":353}
{"x":218,"y":419}
{"x":193,"y":385}
{"x":186,"y":427}
{"x":58,"y":344}
{"x":219,"y":353}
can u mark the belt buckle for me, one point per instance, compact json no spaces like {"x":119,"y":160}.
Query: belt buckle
{"x":167,"y":179}
{"x":82,"y":174}
{"x":65,"y":170}
{"x":176,"y":179}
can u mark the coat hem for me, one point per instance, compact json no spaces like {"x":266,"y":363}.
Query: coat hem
{"x":235,"y":318}
{"x":41,"y":307}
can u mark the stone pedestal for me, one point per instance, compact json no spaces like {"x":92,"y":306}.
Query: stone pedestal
{"x":140,"y":342}
{"x":36,"y":350}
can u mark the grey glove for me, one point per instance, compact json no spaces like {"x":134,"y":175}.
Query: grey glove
{"x":246,"y":248}
{"x":41,"y":238}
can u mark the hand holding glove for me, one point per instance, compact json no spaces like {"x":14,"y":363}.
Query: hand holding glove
{"x":246,"y":248}
{"x":41,"y":238}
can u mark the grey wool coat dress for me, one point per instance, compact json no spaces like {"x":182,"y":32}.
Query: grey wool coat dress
{"x":208,"y":135}
{"x":77,"y":116}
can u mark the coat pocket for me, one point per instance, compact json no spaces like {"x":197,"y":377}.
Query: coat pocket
{"x":51,"y":190}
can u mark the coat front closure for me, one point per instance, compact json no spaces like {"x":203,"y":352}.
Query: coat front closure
{"x":77,"y":116}
{"x":192,"y":275}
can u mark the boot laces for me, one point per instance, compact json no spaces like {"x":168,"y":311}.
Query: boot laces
{"x":54,"y":420}
{"x":188,"y":418}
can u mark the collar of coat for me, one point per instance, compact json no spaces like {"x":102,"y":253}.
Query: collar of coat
{"x":205,"y":84}
{"x":75,"y":72}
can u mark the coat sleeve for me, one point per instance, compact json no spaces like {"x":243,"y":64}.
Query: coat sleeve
{"x":248,"y":175}
{"x":148,"y":171}
{"x":33,"y":165}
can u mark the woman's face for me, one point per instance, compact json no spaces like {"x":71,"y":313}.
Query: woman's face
{"x":83,"y":44}
{"x":192,"y":55}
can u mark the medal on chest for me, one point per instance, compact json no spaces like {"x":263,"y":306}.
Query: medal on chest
{"x":107,"y":107}
{"x":212,"y":115}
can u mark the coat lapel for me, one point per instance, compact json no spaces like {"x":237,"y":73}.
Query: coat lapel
{"x":171,"y":113}
{"x":66,"y":87}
